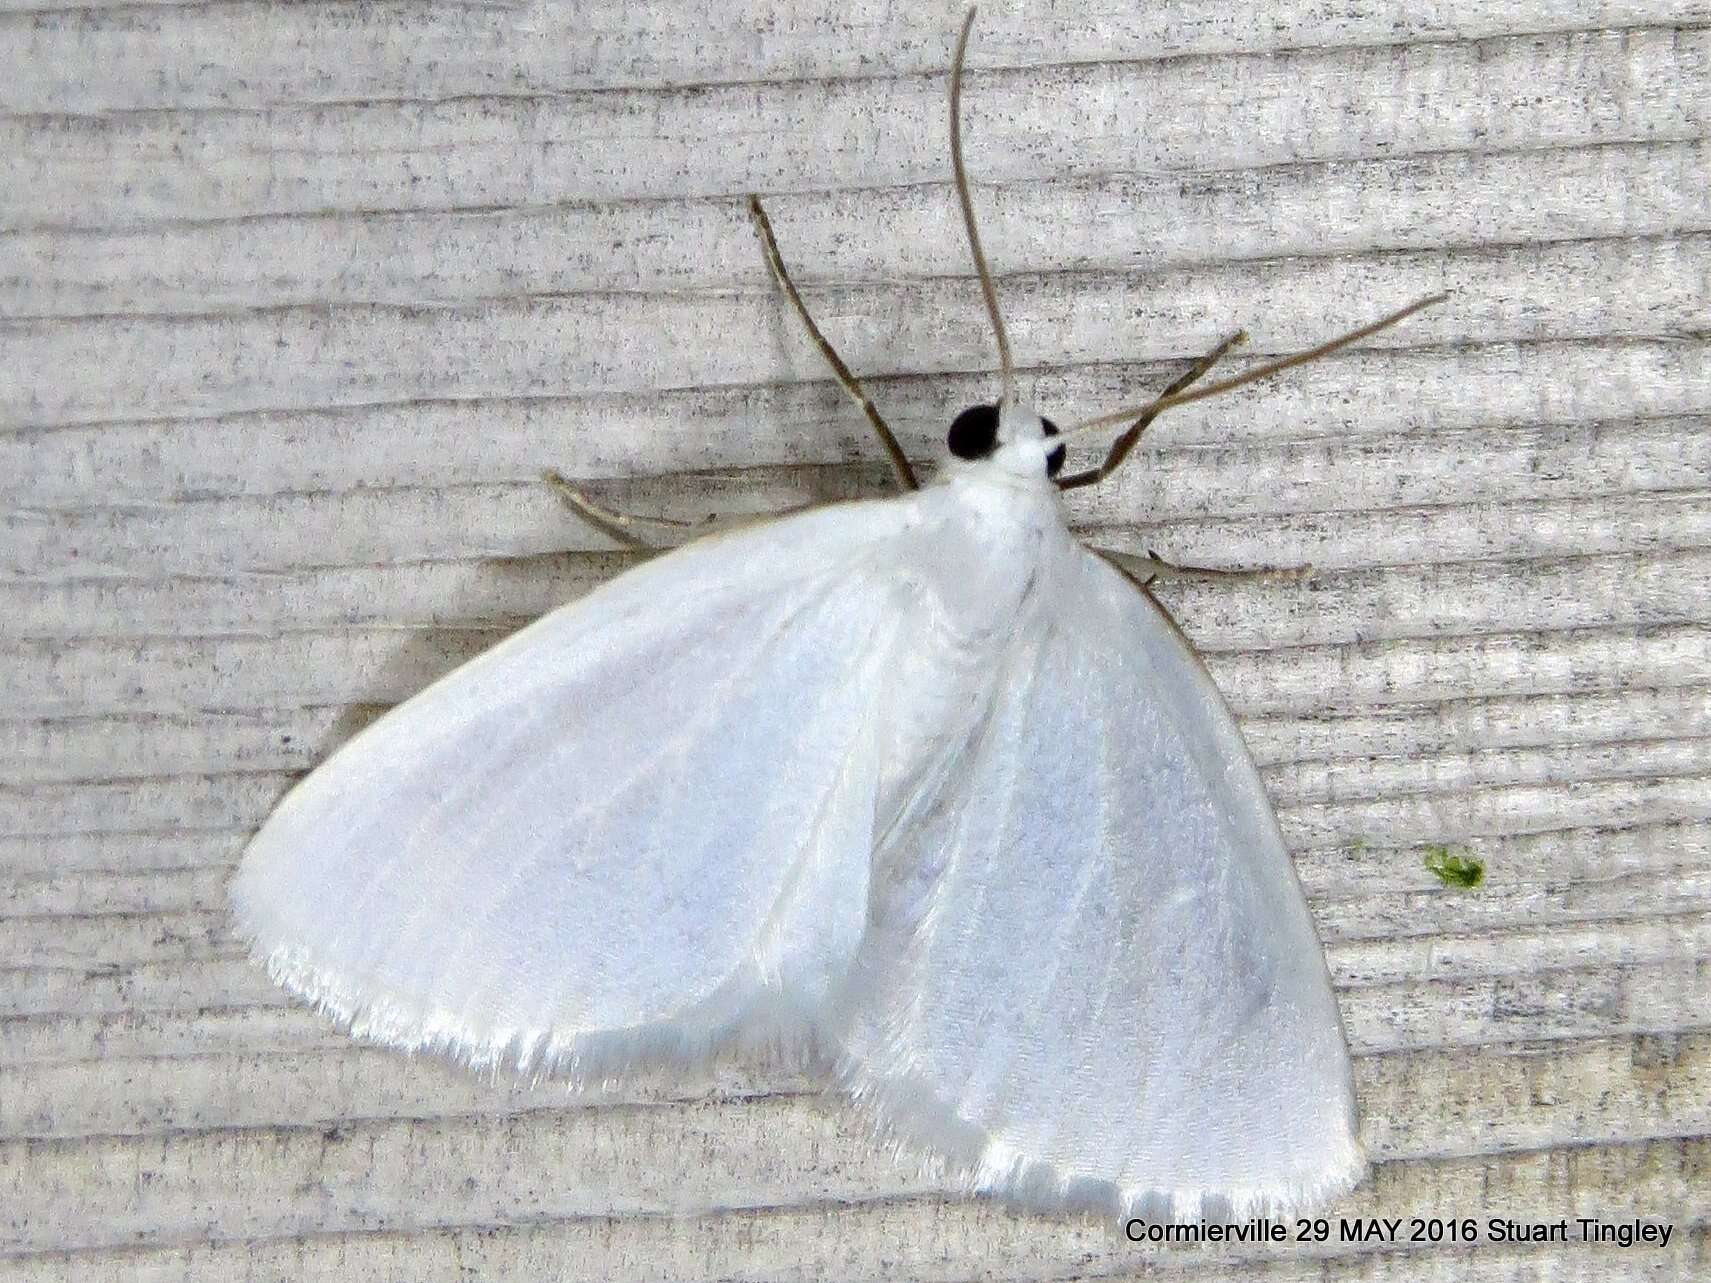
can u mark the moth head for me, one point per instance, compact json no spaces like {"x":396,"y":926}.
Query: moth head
{"x":1012,"y":437}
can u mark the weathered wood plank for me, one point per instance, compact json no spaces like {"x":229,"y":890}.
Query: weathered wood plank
{"x":1428,"y":1095}
{"x":1539,"y":385}
{"x":612,"y":342}
{"x":708,"y":1157}
{"x":905,"y":1241}
{"x":189,"y":54}
{"x":1619,"y":85}
{"x":1414,"y":203}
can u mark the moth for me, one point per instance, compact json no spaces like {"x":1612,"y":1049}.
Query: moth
{"x":920,"y":776}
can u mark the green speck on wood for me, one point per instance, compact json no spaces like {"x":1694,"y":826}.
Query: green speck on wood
{"x":1454,"y":870}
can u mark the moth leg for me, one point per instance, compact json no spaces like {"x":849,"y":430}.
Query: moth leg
{"x":609,"y":521}
{"x":1152,"y":568}
{"x":622,"y":525}
{"x":906,"y":479}
{"x":1122,"y":445}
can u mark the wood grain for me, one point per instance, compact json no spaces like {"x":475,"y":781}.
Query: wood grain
{"x":297,"y":300}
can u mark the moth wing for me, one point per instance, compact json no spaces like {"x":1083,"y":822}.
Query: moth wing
{"x":1091,"y":976}
{"x":615,"y":831}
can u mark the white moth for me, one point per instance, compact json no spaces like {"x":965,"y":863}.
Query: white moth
{"x":922,"y":774}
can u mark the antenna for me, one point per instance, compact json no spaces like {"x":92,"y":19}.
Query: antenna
{"x":1006,"y":368}
{"x":1258,"y":372}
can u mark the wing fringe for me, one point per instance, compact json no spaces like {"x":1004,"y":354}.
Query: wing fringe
{"x":913,"y":1123}
{"x":767,"y":1022}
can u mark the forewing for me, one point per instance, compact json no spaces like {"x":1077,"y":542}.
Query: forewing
{"x":618,"y":830}
{"x":1091,"y":975}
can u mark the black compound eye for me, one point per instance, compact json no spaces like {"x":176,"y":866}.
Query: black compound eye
{"x":974,"y":434}
{"x":1054,"y":460}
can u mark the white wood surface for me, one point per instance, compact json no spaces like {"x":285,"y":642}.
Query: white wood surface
{"x":298,"y":299}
